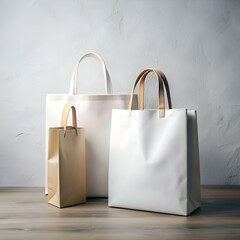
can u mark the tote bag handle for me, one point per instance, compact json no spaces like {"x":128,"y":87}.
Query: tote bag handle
{"x":142,"y":75}
{"x":65,"y":115}
{"x":73,"y":83}
{"x":161,"y":102}
{"x":141,"y":90}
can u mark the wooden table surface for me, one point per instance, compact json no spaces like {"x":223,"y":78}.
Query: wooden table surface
{"x":25,"y":214}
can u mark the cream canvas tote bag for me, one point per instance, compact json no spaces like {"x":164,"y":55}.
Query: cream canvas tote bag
{"x":94,"y":115}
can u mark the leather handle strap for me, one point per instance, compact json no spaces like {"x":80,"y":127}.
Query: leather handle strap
{"x":141,"y":77}
{"x":73,"y":83}
{"x":161,"y":99}
{"x":135,"y":84}
{"x":141,"y":90}
{"x":65,"y":114}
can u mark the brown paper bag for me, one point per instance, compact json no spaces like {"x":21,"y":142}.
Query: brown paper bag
{"x":66,"y":163}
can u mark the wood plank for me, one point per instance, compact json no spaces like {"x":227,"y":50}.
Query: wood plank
{"x":25,"y":214}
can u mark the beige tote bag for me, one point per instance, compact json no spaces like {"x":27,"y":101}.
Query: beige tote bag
{"x":66,"y":163}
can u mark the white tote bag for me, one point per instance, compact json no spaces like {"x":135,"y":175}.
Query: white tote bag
{"x":154,"y":156}
{"x":94,"y":114}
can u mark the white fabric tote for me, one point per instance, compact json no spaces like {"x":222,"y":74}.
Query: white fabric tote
{"x":94,"y":115}
{"x":154,"y":156}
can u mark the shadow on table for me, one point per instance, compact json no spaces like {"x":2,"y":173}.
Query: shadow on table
{"x":219,"y":207}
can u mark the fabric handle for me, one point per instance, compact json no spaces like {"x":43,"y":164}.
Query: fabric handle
{"x":73,"y":83}
{"x":65,"y":115}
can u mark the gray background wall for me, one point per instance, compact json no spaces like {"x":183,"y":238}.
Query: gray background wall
{"x":196,"y":43}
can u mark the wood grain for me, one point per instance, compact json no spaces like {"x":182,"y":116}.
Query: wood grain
{"x":25,"y":214}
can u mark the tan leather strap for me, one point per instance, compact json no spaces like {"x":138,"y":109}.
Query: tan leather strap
{"x":160,"y":90}
{"x":65,"y":115}
{"x":135,"y":84}
{"x":142,"y":75}
{"x":141,"y":90}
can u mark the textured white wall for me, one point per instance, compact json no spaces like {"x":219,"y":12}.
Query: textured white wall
{"x":196,"y":43}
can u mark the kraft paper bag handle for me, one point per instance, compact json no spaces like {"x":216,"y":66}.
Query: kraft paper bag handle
{"x":65,"y":115}
{"x":73,"y":83}
{"x":161,"y":101}
{"x":141,"y":90}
